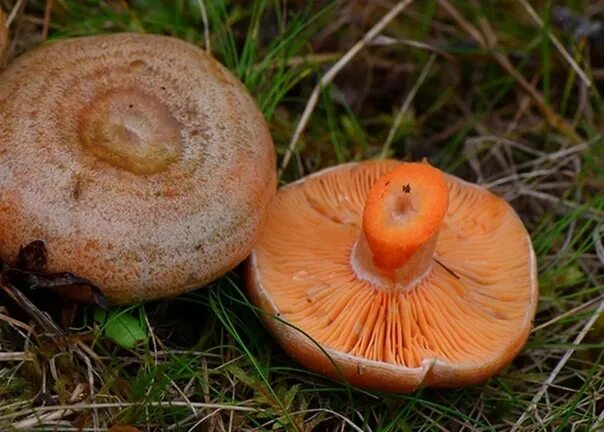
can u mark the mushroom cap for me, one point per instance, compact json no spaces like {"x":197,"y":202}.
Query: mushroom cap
{"x":3,"y":38}
{"x":140,"y":161}
{"x":443,"y":332}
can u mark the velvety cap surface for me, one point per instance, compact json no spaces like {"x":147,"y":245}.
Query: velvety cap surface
{"x":141,"y":162}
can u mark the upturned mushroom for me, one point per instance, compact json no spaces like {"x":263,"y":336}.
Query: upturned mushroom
{"x":395,"y":276}
{"x":139,"y":161}
{"x":3,"y":38}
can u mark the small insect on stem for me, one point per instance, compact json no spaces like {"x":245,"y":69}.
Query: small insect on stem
{"x":407,"y":188}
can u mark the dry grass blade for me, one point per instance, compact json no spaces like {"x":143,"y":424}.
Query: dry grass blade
{"x":206,"y":25}
{"x":582,"y":75}
{"x":40,"y":318}
{"x":550,"y":379}
{"x":38,"y":411}
{"x":383,"y":40}
{"x":589,"y":212}
{"x":46,"y":24}
{"x":328,"y":77}
{"x":597,"y":237}
{"x":346,"y":422}
{"x":568,"y":313}
{"x":555,"y":120}
{"x":15,"y":323}
{"x":46,"y":323}
{"x":14,"y":11}
{"x":15,"y":356}
{"x":406,"y":104}
{"x":40,"y":420}
{"x":334,"y":81}
{"x":518,"y":176}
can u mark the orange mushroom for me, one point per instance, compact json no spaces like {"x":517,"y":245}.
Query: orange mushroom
{"x":141,"y":163}
{"x":394,"y":276}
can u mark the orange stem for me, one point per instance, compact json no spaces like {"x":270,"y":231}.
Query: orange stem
{"x":403,"y":215}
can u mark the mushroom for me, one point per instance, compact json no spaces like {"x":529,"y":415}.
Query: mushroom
{"x":143,"y":165}
{"x":3,"y":38}
{"x":394,"y":276}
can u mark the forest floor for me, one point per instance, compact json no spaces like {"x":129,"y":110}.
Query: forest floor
{"x":504,"y":94}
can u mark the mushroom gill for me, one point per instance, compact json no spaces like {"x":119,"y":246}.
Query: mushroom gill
{"x":469,"y":308}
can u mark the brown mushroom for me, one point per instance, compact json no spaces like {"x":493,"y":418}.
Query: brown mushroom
{"x":142,"y":164}
{"x":3,"y":38}
{"x":394,"y":276}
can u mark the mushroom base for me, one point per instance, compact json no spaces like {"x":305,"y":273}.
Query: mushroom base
{"x":404,"y":278}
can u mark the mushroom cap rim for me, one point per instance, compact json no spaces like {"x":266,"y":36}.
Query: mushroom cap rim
{"x":427,"y":364}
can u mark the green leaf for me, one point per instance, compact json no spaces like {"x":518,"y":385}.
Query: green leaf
{"x":121,"y":327}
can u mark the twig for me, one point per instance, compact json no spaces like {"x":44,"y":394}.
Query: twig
{"x":406,"y":104}
{"x":529,"y":9}
{"x":328,"y":77}
{"x":559,"y":366}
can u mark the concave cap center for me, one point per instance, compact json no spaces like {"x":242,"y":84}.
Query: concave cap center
{"x":131,"y":130}
{"x":402,"y":218}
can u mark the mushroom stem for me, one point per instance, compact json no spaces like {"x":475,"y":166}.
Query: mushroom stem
{"x":402,"y":218}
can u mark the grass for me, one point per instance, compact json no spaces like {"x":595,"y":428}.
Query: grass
{"x":204,"y":361}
